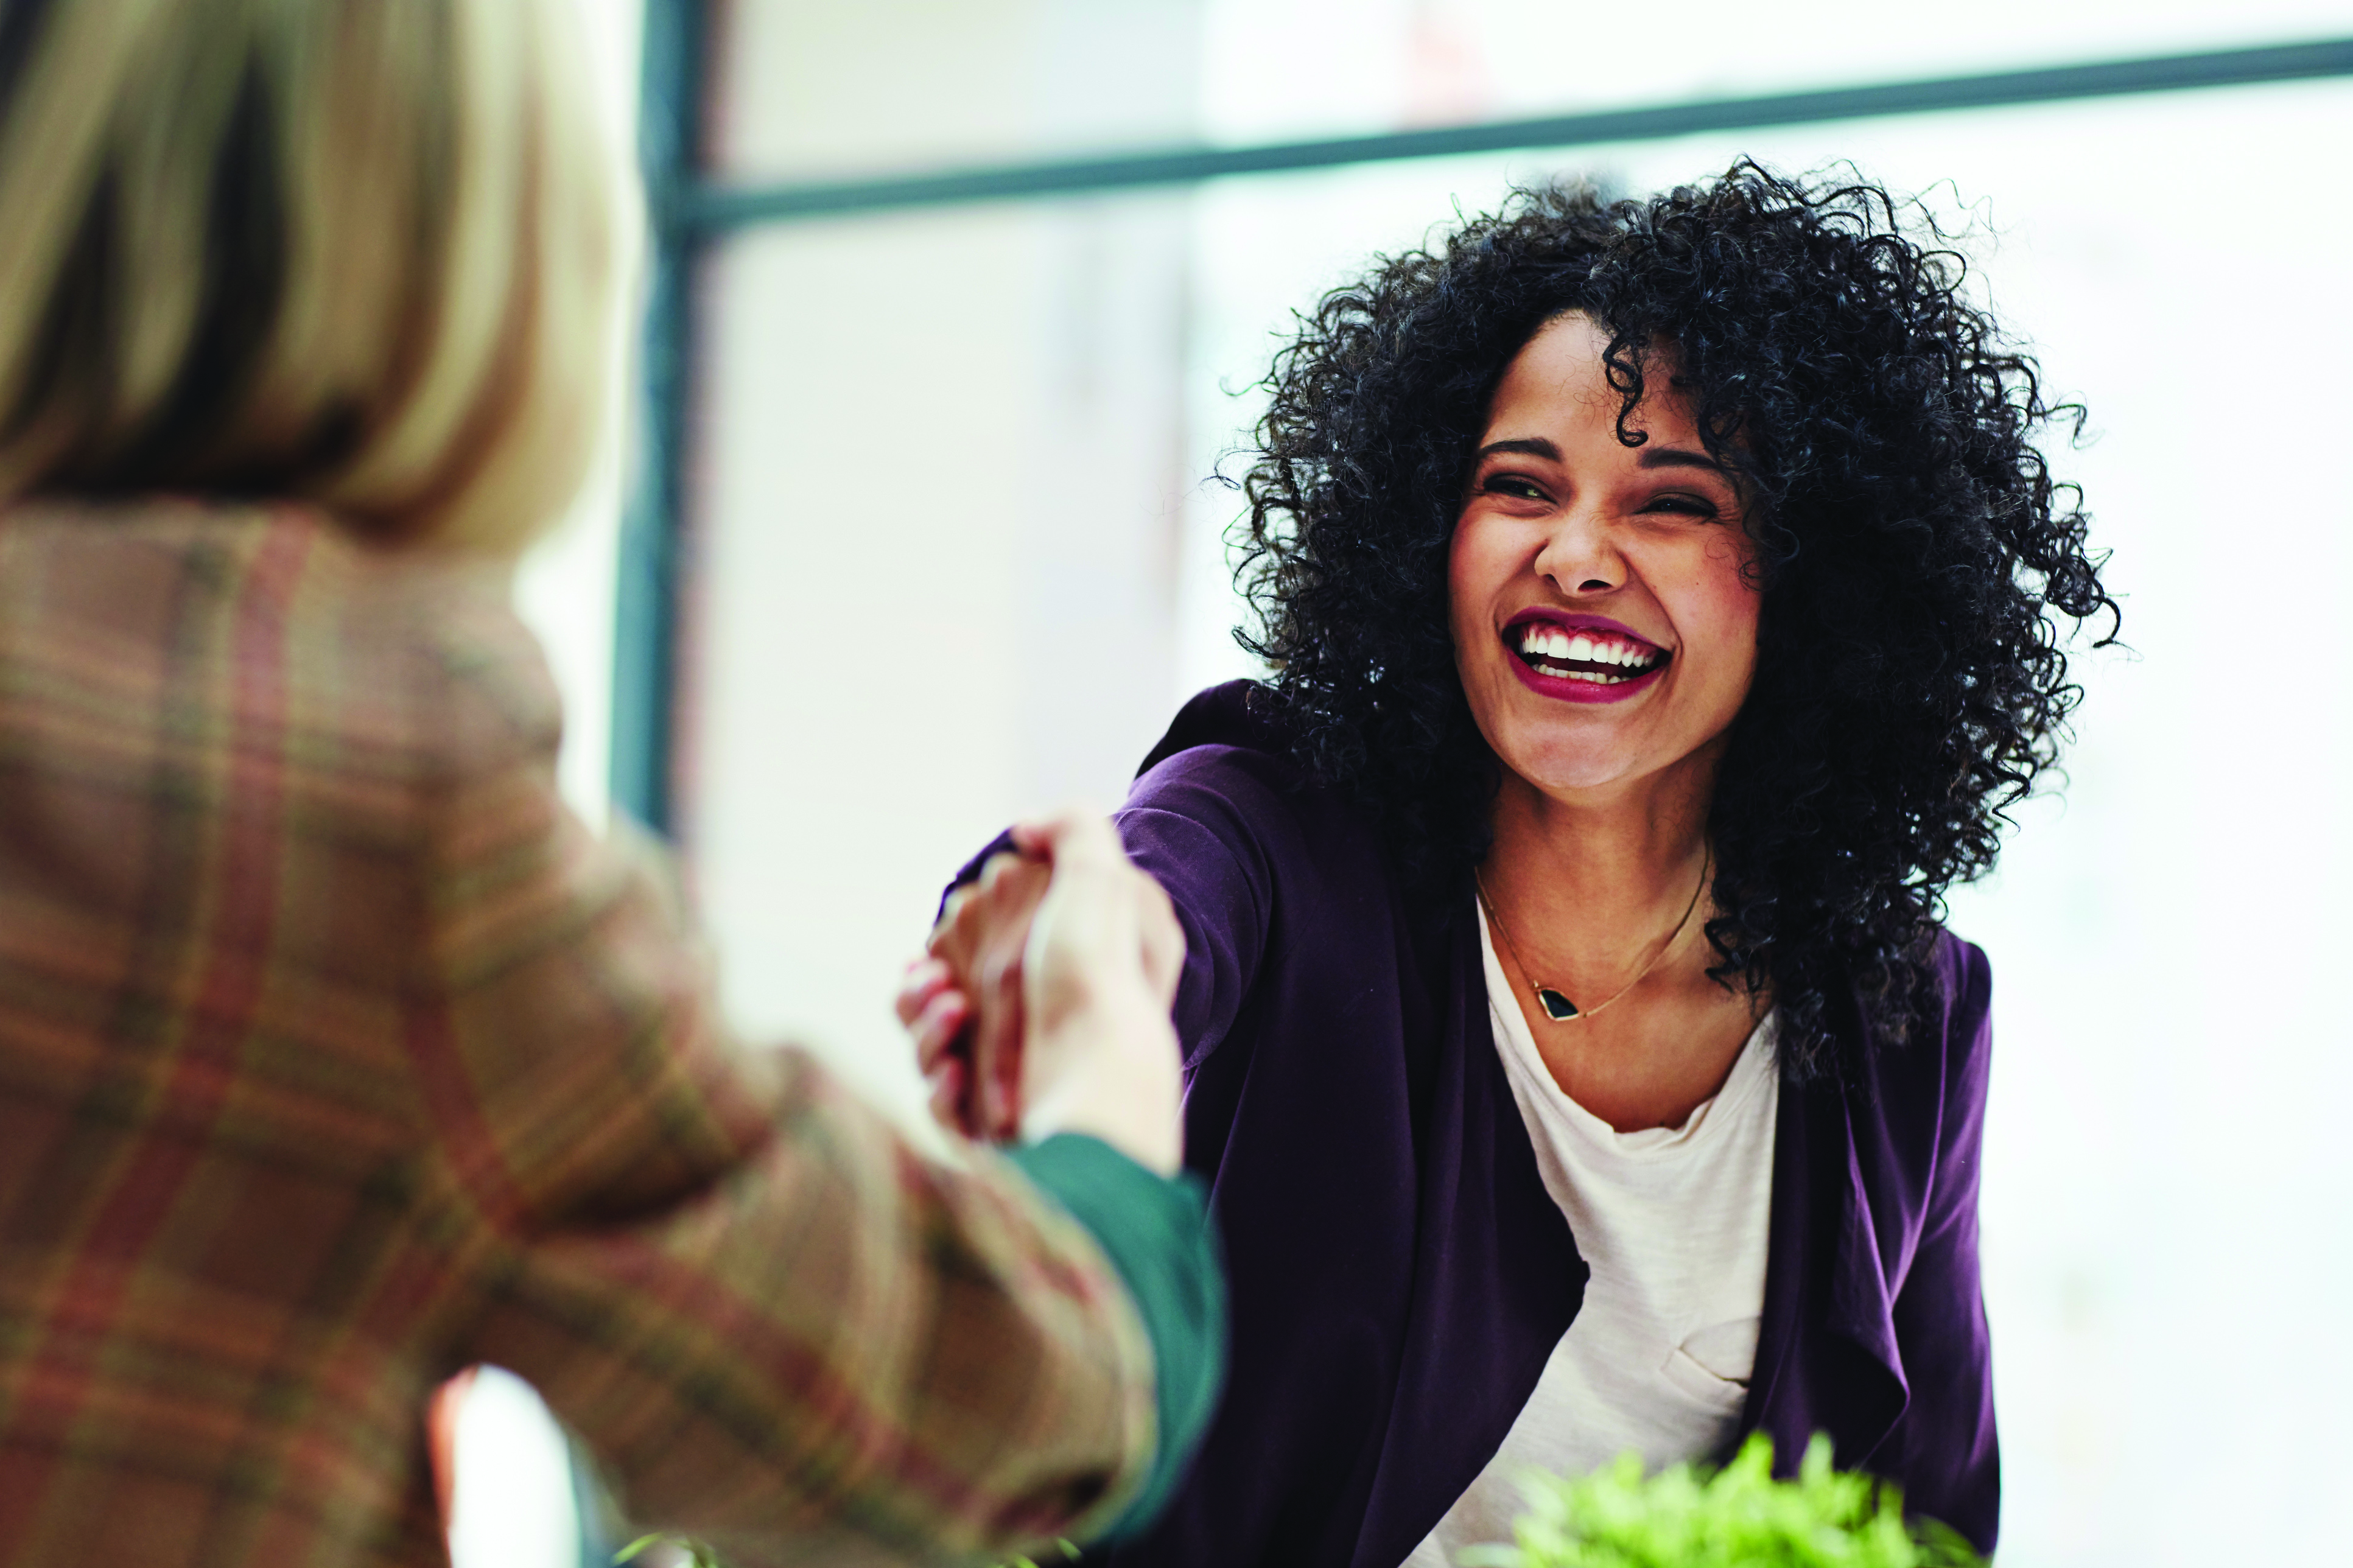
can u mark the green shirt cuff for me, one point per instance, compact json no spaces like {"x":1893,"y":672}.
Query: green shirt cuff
{"x":1158,"y":1233}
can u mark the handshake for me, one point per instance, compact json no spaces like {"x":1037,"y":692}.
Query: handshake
{"x":1041,"y":1004}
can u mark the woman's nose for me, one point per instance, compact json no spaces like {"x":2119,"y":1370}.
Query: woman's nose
{"x":1580,"y":556}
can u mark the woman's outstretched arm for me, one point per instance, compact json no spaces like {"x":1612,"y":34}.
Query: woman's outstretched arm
{"x":777,"y":1326}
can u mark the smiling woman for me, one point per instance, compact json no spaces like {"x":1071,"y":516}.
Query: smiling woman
{"x":1908,"y":540}
{"x":1604,"y":605}
{"x":1662,"y":598}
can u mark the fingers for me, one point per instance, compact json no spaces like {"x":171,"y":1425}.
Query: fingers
{"x":1013,"y":891}
{"x":1073,"y":835}
{"x":990,"y":870}
{"x":997,"y":1035}
{"x":997,"y":1106}
{"x":964,"y":913}
{"x":976,"y":956}
{"x":925,"y":978}
{"x":950,"y":1103}
{"x":939,"y":1029}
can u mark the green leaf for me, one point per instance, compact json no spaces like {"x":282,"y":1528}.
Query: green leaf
{"x":1738,"y":1517}
{"x":700,"y":1555}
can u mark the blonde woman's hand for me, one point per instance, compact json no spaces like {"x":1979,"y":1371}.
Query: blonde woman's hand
{"x":1098,"y":973}
{"x":1041,"y":1004}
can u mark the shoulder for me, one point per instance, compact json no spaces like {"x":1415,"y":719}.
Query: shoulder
{"x":155,"y":580}
{"x":480,"y":671}
{"x":1964,"y":1004}
{"x":1223,"y":795}
{"x":1952,"y":1020}
{"x":1924,"y":1091}
{"x":1964,"y":997}
{"x":1226,"y":763}
{"x":374,"y":663}
{"x":424,"y":650}
{"x":1237,"y":715}
{"x":428,"y":657}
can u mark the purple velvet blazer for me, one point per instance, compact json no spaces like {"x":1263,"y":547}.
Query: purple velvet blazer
{"x":1399,"y":1274}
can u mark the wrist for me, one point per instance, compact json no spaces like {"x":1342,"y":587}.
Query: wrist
{"x":1117,"y":1078}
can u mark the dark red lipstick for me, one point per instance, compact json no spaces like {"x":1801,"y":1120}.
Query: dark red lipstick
{"x":1576,"y":658}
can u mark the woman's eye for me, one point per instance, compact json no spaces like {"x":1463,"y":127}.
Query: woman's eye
{"x":1688,"y":506}
{"x":1513,"y":486}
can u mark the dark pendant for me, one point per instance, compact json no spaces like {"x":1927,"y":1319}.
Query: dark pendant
{"x":1555,"y":1005}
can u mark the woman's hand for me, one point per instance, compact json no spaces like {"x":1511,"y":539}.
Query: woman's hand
{"x":1043,"y":1005}
{"x":1098,"y":973}
{"x":962,"y":1001}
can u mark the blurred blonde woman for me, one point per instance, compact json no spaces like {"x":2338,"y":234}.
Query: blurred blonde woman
{"x":334,"y":1054}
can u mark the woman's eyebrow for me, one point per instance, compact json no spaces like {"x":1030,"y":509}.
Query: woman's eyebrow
{"x":1533,"y":445}
{"x":1676,"y":458}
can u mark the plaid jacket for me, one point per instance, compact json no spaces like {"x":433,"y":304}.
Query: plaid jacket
{"x":336,"y":1055}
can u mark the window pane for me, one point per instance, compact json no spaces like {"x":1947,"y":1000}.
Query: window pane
{"x":1305,"y":68}
{"x":940,"y":488}
{"x":802,"y":92}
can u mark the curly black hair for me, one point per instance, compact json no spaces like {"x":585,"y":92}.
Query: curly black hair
{"x":1911,"y":546}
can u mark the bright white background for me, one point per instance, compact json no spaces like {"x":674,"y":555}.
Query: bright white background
{"x":956,"y":561}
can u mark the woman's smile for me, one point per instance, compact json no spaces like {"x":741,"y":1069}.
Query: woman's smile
{"x":1604,"y":611}
{"x":1581,"y":657}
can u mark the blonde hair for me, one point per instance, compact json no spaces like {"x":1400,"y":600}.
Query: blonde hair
{"x":361,"y":253}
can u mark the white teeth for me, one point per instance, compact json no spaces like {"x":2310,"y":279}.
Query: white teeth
{"x":1558,"y":645}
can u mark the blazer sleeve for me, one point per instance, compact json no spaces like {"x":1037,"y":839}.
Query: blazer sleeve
{"x":1939,"y":1314}
{"x":777,"y":1326}
{"x":1196,"y":824}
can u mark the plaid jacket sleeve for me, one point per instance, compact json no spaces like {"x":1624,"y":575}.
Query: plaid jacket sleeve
{"x":336,"y":1055}
{"x":768,"y":1316}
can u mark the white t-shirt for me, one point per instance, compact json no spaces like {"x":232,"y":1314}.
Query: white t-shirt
{"x":1674,"y":1223}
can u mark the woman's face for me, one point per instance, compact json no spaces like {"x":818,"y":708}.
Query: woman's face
{"x":1604,"y":624}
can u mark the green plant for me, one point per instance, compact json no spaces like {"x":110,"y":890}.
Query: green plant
{"x":697,"y":1555}
{"x":1738,"y":1517}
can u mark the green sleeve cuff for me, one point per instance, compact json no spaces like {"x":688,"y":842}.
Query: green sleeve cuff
{"x":1158,"y":1233}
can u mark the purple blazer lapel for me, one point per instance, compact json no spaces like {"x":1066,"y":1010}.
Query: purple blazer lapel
{"x":1862,"y":1313}
{"x":1861,"y":1305}
{"x":1496,"y":1275}
{"x":1827,"y":1357}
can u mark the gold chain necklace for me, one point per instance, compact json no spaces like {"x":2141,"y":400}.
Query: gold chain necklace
{"x":1556,"y":1003}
